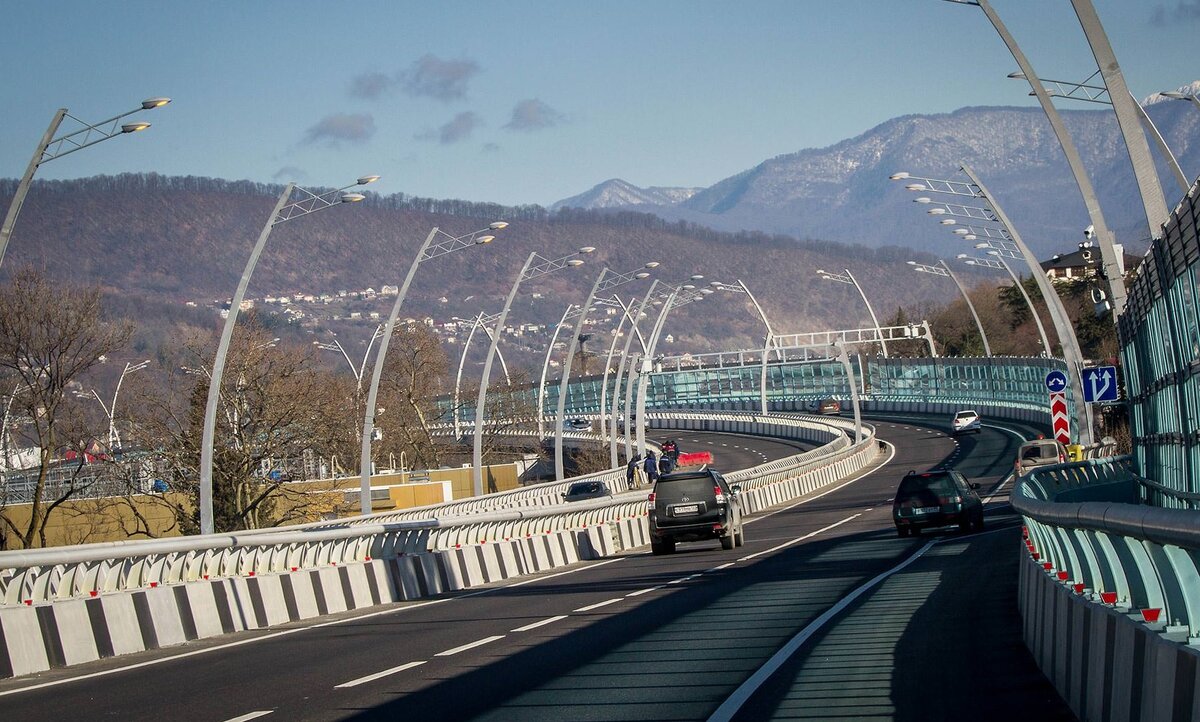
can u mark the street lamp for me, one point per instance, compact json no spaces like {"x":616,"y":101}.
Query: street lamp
{"x":309,"y":202}
{"x":941,"y":269}
{"x":626,"y":314}
{"x":429,"y":250}
{"x":997,"y":261}
{"x":50,"y":148}
{"x":1139,"y":153}
{"x":335,"y":345}
{"x":848,"y":278}
{"x":484,"y":321}
{"x":110,"y":410}
{"x":536,"y":266}
{"x":606,"y":281}
{"x":634,"y":324}
{"x":676,"y":297}
{"x":769,"y":340}
{"x":1008,"y":243}
{"x":1178,"y":95}
{"x":541,"y":402}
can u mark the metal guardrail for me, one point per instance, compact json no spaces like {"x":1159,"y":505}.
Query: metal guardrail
{"x":46,"y":575}
{"x":1086,"y":526}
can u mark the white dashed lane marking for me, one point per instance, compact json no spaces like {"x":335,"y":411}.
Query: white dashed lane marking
{"x":472,"y":645}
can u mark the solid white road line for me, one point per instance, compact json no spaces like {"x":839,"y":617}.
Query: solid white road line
{"x":378,"y":675}
{"x":797,"y":540}
{"x":735,"y":701}
{"x":542,"y":623}
{"x":251,"y":715}
{"x":640,"y":592}
{"x":472,"y":645}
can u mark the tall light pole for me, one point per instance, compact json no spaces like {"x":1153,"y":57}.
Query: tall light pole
{"x":607,"y":280}
{"x":1005,"y":240}
{"x":677,"y":296}
{"x":358,"y":371}
{"x":998,"y":262}
{"x":284,"y":211}
{"x":110,"y":410}
{"x":445,"y":243}
{"x":941,"y":269}
{"x":49,"y":148}
{"x":541,"y":402}
{"x":626,"y":314}
{"x":848,"y":278}
{"x":635,"y":325}
{"x":484,"y":321}
{"x":1104,"y":235}
{"x":769,"y":340}
{"x":535,"y":266}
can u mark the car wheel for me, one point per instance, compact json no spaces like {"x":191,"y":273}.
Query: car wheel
{"x":902,"y":531}
{"x":979,"y":522}
{"x":728,"y":541}
{"x":966,"y":525}
{"x":916,"y":531}
{"x":662,"y":547}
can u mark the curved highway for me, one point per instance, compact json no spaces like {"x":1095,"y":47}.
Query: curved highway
{"x":824,"y":613}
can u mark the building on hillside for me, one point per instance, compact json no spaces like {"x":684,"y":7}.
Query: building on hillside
{"x":1084,"y":263}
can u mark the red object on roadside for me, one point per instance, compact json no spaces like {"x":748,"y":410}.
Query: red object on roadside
{"x":1108,"y":597}
{"x":695,"y":458}
{"x":1151,"y":615}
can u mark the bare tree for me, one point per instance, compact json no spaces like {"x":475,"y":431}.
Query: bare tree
{"x":51,"y":334}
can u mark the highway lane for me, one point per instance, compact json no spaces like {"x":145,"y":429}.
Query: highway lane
{"x":633,"y":637}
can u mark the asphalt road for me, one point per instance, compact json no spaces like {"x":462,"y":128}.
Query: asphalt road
{"x":783,"y":627}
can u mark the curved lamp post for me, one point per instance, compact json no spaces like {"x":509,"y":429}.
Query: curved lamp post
{"x":606,"y":281}
{"x":483,"y":321}
{"x":626,"y":314}
{"x":998,"y":262}
{"x":309,"y":202}
{"x":1179,"y":95}
{"x":941,"y":269}
{"x":430,"y":249}
{"x":635,"y":325}
{"x":849,"y":279}
{"x":535,"y":266}
{"x":110,"y":410}
{"x":358,"y":371}
{"x":50,"y":148}
{"x":676,"y":297}
{"x":769,"y":341}
{"x":541,"y":402}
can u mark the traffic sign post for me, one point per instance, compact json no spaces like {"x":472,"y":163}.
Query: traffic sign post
{"x":1100,"y":384}
{"x":1056,"y":382}
{"x":1059,"y":421}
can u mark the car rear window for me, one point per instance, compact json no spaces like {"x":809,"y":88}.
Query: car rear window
{"x":586,"y":487}
{"x":1039,"y":451}
{"x":671,"y":489}
{"x":965,"y":415}
{"x":937,"y":483}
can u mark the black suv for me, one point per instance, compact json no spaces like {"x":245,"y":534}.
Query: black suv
{"x":940,"y":497}
{"x":694,"y":505}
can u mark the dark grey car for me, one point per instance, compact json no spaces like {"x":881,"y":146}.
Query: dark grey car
{"x":582,"y":490}
{"x":693,"y":506}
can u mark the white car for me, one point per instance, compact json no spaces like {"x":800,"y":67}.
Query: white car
{"x":966,"y":420}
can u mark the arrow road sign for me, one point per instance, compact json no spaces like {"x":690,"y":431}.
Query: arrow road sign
{"x":1059,"y":419}
{"x":1056,"y":381}
{"x":1100,"y":384}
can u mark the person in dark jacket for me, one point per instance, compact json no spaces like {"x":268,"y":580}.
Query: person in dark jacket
{"x":631,"y":470}
{"x":651,"y":467}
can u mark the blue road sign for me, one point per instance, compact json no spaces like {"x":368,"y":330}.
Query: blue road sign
{"x":1100,"y":384}
{"x":1056,"y":381}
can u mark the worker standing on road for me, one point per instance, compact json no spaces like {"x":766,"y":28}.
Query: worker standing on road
{"x":650,"y":467}
{"x":631,"y":471}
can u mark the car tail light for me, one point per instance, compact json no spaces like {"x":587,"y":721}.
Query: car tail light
{"x":944,"y":500}
{"x":650,"y":501}
{"x":1062,"y":459}
{"x":720,"y":494}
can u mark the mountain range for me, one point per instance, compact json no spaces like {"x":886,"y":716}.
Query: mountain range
{"x":842,"y":192}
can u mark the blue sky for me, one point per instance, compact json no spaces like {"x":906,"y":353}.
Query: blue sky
{"x":530,"y":101}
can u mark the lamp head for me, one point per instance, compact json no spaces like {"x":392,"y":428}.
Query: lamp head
{"x":353,"y":197}
{"x":970,"y":237}
{"x":936,"y":211}
{"x":902,"y":175}
{"x":134,"y":127}
{"x":923,"y":199}
{"x":366,"y":179}
{"x":497,"y":225}
{"x":696,"y":277}
{"x":961,"y":232}
{"x":150,"y":103}
{"x":916,"y":187}
{"x":983,"y":245}
{"x":1017,"y":75}
{"x":651,"y":264}
{"x":574,"y":263}
{"x":484,"y":239}
{"x":640,"y":275}
{"x":993,"y":253}
{"x":587,"y":249}
{"x":1173,"y":94}
{"x":947,"y":221}
{"x":911,"y":263}
{"x":962,"y":255}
